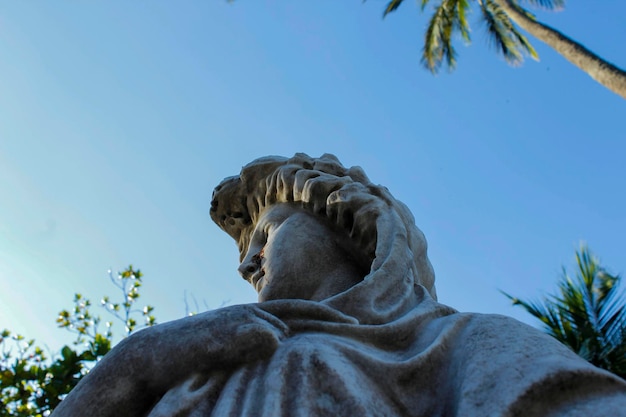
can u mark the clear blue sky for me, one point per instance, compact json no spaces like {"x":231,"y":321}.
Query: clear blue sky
{"x":118,"y":118}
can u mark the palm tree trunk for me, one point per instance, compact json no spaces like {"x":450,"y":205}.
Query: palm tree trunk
{"x":600,"y":70}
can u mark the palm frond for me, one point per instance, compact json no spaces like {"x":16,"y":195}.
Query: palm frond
{"x":613,"y":318}
{"x":392,"y":6}
{"x":525,"y":44}
{"x":544,"y":312}
{"x":437,"y":40}
{"x":499,"y":30}
{"x":588,"y":314}
{"x":460,"y":22}
{"x":504,"y":35}
{"x":449,"y":17}
{"x":607,"y":289}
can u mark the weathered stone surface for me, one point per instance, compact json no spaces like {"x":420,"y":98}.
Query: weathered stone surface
{"x":347,"y":323}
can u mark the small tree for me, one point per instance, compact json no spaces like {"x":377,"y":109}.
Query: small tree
{"x":588,"y":314}
{"x":32,"y":384}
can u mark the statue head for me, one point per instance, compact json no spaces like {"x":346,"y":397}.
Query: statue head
{"x":383,"y":238}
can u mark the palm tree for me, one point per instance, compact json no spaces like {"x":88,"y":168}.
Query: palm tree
{"x":501,"y":18}
{"x":588,"y":315}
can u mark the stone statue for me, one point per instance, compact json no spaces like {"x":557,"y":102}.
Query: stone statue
{"x":347,"y":323}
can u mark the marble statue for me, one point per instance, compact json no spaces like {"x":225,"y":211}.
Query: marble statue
{"x":347,"y":323}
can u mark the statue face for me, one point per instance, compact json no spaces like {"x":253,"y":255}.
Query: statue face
{"x":295,"y":254}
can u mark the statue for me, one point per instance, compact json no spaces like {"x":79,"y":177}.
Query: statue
{"x":347,"y":323}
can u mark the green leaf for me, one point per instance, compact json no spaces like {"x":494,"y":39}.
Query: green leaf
{"x":67,"y":352}
{"x":392,"y":6}
{"x":588,"y":314}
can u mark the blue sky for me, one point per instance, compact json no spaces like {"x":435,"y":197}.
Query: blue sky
{"x":117,"y":119}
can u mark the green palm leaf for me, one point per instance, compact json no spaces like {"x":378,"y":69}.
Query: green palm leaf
{"x":588,"y":314}
{"x":436,"y":46}
{"x":392,"y":6}
{"x":448,"y":18}
{"x":498,"y":27}
{"x":461,"y":8}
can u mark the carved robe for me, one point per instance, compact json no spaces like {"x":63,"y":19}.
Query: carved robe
{"x":426,"y":360}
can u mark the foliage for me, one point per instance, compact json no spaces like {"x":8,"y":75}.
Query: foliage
{"x":501,"y":20}
{"x":32,"y":384}
{"x":450,"y":18}
{"x":588,"y":314}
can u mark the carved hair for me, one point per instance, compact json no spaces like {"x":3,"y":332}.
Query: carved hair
{"x":380,"y":226}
